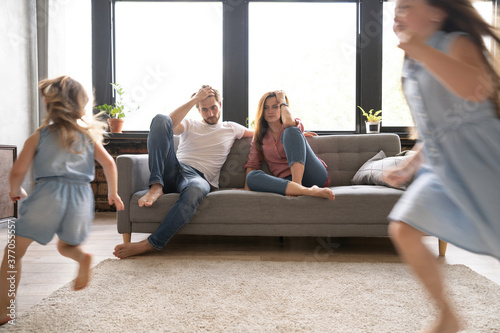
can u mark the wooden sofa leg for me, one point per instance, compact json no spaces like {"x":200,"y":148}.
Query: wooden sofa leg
{"x":442,"y":248}
{"x":127,"y":238}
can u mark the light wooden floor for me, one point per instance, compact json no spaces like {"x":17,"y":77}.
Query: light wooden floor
{"x":45,"y":270}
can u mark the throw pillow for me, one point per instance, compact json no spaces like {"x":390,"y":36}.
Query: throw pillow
{"x":371,"y":172}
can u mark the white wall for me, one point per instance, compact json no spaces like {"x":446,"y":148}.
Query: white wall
{"x":18,"y":73}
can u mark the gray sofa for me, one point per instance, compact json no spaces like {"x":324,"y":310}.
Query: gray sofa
{"x":358,"y":210}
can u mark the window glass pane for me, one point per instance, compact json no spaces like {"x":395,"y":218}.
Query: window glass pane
{"x":308,"y":50}
{"x":70,"y":42}
{"x":165,"y":51}
{"x":394,"y":106}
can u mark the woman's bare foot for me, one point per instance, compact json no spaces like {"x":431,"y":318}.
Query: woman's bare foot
{"x":83,"y":277}
{"x":446,"y":323}
{"x":148,"y":199}
{"x":125,"y":250}
{"x":323,"y":192}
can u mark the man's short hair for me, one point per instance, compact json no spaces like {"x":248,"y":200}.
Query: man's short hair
{"x":217,"y":96}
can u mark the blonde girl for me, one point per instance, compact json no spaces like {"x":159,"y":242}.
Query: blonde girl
{"x":62,"y":153}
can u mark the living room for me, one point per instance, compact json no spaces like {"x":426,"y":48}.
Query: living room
{"x":47,"y":38}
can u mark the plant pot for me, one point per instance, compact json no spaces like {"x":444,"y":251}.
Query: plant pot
{"x":373,"y":127}
{"x":115,"y":125}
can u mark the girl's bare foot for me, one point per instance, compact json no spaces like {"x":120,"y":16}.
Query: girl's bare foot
{"x":83,"y":277}
{"x":4,"y":319}
{"x":148,"y":199}
{"x":323,"y":192}
{"x":132,"y":249}
{"x":446,"y":323}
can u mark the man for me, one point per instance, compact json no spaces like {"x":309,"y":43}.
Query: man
{"x":203,"y":149}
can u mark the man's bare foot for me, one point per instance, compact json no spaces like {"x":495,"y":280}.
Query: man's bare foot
{"x":446,"y":323}
{"x":323,"y":192}
{"x":83,"y":277}
{"x":125,"y":250}
{"x":148,"y":199}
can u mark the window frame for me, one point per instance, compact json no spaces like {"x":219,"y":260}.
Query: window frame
{"x":235,"y":42}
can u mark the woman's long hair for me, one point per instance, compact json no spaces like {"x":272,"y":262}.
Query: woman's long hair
{"x":462,"y":16}
{"x":65,"y":100}
{"x":261,"y":125}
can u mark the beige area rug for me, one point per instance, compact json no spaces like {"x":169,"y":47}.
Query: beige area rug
{"x":157,"y":294}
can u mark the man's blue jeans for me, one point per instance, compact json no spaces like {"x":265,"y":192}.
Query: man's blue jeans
{"x":297,"y":150}
{"x":175,"y":177}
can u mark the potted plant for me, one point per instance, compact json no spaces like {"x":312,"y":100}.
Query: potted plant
{"x":118,"y":111}
{"x":372,"y":120}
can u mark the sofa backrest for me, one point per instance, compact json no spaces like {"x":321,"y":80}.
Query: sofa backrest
{"x":343,"y":154}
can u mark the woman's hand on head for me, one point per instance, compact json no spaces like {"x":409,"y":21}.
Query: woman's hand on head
{"x":280,"y":96}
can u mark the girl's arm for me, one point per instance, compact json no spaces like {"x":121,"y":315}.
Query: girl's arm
{"x":111,"y":173}
{"x":462,"y":71}
{"x":21,"y":167}
{"x":404,"y":173}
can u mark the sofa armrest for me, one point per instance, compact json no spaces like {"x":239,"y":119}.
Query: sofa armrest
{"x":133,"y":176}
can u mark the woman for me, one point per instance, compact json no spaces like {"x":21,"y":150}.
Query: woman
{"x":280,"y":142}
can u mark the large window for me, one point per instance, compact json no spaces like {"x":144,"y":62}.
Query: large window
{"x":329,"y":56}
{"x":301,"y":48}
{"x":164,"y":52}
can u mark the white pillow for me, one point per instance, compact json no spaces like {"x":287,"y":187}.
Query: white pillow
{"x":371,"y":172}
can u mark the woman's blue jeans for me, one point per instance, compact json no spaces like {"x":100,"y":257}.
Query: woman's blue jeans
{"x":297,"y":150}
{"x":175,"y":177}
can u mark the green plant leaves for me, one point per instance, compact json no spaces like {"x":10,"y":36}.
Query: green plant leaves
{"x":117,"y":111}
{"x":370,"y":116}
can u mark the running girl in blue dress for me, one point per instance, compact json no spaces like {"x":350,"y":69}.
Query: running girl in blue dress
{"x":453,"y":92}
{"x":62,"y":152}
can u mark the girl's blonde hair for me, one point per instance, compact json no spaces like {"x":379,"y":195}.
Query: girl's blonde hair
{"x":261,"y":124}
{"x":462,"y":16}
{"x":65,"y":100}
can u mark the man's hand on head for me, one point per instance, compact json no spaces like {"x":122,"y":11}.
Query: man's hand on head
{"x":204,"y":93}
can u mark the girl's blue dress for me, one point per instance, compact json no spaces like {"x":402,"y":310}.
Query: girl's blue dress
{"x":62,"y":202}
{"x":455,"y":196}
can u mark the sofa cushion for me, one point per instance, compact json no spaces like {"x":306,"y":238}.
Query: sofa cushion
{"x":371,"y":172}
{"x":228,"y":206}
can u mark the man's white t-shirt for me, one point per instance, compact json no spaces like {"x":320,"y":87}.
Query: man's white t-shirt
{"x":205,"y":147}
